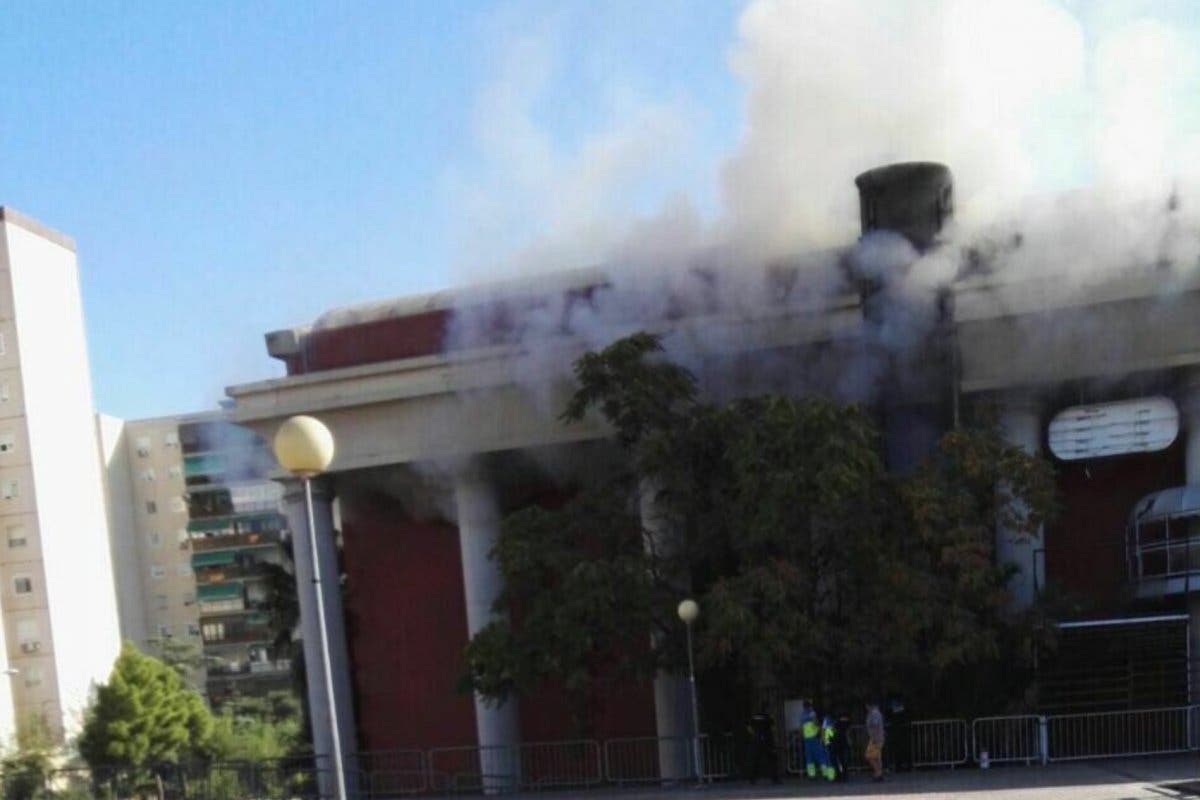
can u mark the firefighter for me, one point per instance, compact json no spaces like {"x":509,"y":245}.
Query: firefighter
{"x":814,"y":753}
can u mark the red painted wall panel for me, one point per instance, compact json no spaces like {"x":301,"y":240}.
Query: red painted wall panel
{"x":406,"y":625}
{"x":1085,"y":549}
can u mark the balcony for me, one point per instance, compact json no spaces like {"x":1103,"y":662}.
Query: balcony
{"x":224,"y":566}
{"x":210,"y":541}
{"x":1162,"y":542}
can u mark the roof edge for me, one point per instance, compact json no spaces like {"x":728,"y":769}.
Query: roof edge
{"x":14,"y":217}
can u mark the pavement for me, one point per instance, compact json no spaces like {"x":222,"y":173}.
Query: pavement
{"x":1117,"y":779}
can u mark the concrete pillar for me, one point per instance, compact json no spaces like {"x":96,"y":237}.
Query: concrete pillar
{"x":1021,"y":426}
{"x":318,"y":703}
{"x":497,"y":725}
{"x":672,"y":693}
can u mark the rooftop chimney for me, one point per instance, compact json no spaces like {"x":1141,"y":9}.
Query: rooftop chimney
{"x":913,"y":199}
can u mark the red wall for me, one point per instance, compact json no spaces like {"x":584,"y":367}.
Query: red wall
{"x":1085,"y":549}
{"x":406,"y":629}
{"x":407,"y":626}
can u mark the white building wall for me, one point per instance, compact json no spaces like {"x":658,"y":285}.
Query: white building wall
{"x":128,"y":571}
{"x":67,"y":483}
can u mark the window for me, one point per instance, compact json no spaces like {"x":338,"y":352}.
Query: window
{"x":3,"y":347}
{"x":178,"y":505}
{"x":193,"y":630}
{"x":16,"y":536}
{"x":10,"y":490}
{"x":22,"y":584}
{"x":27,"y":631}
{"x":171,"y":439}
{"x":154,"y":538}
{"x":32,"y":676}
{"x":164,"y":631}
{"x":151,"y":507}
{"x":4,"y":392}
{"x":213,"y":631}
{"x":160,"y":602}
{"x":174,"y":471}
{"x":183,"y":570}
{"x":8,"y":442}
{"x":189,"y":598}
{"x":157,"y":572}
{"x":148,"y":474}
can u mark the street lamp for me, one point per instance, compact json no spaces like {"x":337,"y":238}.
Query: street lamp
{"x":304,"y":447}
{"x":688,"y":610}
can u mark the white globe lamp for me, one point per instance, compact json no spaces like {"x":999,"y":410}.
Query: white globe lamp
{"x":304,"y":446}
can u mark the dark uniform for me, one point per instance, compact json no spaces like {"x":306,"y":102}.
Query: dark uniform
{"x":763,"y":760}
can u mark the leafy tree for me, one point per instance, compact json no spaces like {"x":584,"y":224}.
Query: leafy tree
{"x":144,"y":717}
{"x":816,"y":570}
{"x":25,"y":769}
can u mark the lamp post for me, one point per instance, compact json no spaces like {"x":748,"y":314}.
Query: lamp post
{"x":688,"y":611}
{"x":304,"y":447}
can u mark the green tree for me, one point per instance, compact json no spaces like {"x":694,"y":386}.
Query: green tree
{"x":816,"y":570}
{"x":144,"y":717}
{"x":25,"y":768}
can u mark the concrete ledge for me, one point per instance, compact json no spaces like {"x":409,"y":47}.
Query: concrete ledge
{"x":30,"y":224}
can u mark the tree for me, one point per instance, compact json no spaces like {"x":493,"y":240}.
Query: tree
{"x":818,"y":571}
{"x":144,"y":717}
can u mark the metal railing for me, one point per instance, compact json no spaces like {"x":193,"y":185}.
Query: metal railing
{"x":584,"y":763}
{"x":939,"y":743}
{"x":1008,"y":739}
{"x":560,"y":765}
{"x":1111,"y":734}
{"x":648,"y":759}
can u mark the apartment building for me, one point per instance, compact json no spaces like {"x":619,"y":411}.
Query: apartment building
{"x":198,"y":543}
{"x":60,"y":626}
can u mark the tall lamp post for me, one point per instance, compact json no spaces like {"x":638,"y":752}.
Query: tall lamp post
{"x":304,"y":447}
{"x":688,"y":611}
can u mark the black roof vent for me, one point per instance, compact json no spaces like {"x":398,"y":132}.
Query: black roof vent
{"x":913,"y":199}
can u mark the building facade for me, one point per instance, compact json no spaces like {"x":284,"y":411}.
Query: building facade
{"x":57,"y":599}
{"x":199,"y":543}
{"x":445,"y":414}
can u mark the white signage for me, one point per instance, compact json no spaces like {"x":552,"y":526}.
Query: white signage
{"x":1112,"y":429}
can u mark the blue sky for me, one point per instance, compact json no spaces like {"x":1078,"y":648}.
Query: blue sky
{"x":228,"y":168}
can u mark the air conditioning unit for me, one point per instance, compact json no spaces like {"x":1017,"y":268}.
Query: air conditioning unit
{"x":30,"y":647}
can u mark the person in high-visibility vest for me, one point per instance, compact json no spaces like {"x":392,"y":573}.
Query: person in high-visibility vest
{"x":829,"y":735}
{"x":814,"y":753}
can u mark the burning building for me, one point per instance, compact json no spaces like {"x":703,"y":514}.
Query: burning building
{"x":445,"y":412}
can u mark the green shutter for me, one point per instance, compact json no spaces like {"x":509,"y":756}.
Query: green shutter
{"x":219,"y":591}
{"x":218,"y":559}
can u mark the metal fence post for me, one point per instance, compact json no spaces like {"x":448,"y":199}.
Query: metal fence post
{"x":1044,"y":739}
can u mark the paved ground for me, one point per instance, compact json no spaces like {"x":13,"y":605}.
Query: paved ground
{"x":1131,"y":779}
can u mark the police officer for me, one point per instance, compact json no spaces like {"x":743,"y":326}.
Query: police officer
{"x":762,"y":745}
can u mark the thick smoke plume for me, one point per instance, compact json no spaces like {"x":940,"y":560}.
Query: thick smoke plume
{"x":1071,"y":140}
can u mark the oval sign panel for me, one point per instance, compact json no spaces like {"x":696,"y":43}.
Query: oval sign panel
{"x":1112,"y":429}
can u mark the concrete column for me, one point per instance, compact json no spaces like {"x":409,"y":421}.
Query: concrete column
{"x":314,"y":670}
{"x":1021,"y":426}
{"x":496,"y":725}
{"x":672,"y":694}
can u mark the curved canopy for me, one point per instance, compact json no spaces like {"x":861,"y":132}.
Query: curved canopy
{"x":1178,"y":501}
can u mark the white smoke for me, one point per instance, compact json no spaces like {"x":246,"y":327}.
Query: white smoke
{"x":1071,"y":141}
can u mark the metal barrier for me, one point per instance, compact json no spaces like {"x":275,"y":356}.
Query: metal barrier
{"x":474,"y":769}
{"x":648,"y":759}
{"x":1008,"y":739}
{"x":571,"y":764}
{"x":717,"y":757}
{"x":389,"y":773}
{"x":939,"y":743}
{"x":1110,"y":734}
